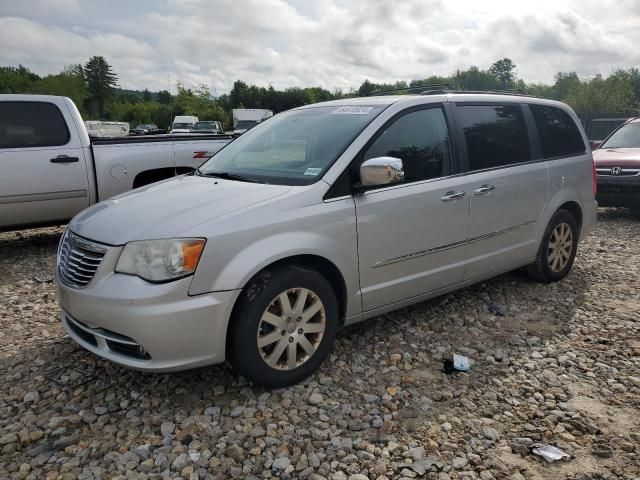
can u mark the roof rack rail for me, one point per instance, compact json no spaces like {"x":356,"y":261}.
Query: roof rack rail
{"x":512,"y":91}
{"x":408,"y":89}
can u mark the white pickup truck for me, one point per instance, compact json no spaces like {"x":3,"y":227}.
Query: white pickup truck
{"x":50,"y":169}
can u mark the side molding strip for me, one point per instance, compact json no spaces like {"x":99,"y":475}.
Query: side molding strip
{"x":421,"y":253}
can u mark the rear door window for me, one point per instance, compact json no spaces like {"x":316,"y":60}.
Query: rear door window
{"x":495,"y":135}
{"x":559,"y":135}
{"x":32,"y":124}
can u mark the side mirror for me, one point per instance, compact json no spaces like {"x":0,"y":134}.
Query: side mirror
{"x":595,"y":144}
{"x":381,"y":171}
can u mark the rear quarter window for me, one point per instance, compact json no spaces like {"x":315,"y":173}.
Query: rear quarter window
{"x":559,"y":135}
{"x":32,"y":124}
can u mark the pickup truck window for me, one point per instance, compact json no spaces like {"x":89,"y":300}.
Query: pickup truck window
{"x":420,"y":139}
{"x":32,"y":124}
{"x":294,"y":147}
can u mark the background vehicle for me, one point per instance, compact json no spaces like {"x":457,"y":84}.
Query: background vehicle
{"x":617,"y":163}
{"x":207,"y":127}
{"x":147,"y":129}
{"x":102,"y":129}
{"x":50,"y":169}
{"x":183,"y":123}
{"x":245,"y":118}
{"x":324,"y":216}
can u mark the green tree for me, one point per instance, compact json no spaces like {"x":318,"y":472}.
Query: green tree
{"x":69,"y":83}
{"x":599,"y":95}
{"x":475,"y":79}
{"x":146,"y":95}
{"x":164,"y":97}
{"x":101,"y":83}
{"x":564,"y":83}
{"x":503,"y":70}
{"x":16,"y":79}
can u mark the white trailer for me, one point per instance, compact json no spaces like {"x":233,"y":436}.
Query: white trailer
{"x":245,"y":118}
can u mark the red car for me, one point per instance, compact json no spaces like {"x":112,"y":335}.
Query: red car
{"x":617,"y":162}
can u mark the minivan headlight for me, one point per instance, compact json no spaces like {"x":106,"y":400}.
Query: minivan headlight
{"x":161,"y":260}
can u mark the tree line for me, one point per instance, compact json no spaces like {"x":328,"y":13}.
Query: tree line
{"x":94,"y":89}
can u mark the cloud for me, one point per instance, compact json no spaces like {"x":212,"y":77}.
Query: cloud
{"x":331,"y":43}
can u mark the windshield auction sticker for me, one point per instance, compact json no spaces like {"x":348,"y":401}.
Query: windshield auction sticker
{"x":312,"y":171}
{"x":352,"y":110}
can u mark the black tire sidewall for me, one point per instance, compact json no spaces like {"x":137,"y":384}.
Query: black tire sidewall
{"x":561,"y":216}
{"x":244,"y":354}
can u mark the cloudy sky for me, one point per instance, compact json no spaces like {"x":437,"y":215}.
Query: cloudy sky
{"x":331,"y":43}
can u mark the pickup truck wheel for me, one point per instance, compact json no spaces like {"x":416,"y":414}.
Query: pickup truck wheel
{"x":284,"y":326}
{"x":557,"y":250}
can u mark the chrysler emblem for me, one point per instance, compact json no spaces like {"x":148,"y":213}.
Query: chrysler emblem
{"x":616,"y":171}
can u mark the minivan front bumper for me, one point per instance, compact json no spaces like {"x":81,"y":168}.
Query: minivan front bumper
{"x":145,"y":326}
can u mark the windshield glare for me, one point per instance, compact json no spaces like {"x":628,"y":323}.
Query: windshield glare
{"x":627,"y":136}
{"x":295,"y":147}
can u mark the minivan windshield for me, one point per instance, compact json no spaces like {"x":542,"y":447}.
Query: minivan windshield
{"x":628,"y":136}
{"x":292,"y":148}
{"x":181,"y":125}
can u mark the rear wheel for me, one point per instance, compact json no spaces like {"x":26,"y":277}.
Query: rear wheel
{"x":557,"y":250}
{"x":283,"y":327}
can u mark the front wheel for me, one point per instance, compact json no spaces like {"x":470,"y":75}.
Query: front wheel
{"x":283,"y":327}
{"x":557,"y":250}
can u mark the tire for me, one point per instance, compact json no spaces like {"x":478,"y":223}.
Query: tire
{"x":262,"y":315}
{"x":553,"y":264}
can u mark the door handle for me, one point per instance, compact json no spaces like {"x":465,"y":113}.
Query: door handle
{"x":451,"y":195}
{"x":64,"y":159}
{"x":484,"y":189}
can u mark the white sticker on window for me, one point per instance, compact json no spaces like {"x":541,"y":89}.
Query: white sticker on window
{"x":312,"y":171}
{"x":352,"y":110}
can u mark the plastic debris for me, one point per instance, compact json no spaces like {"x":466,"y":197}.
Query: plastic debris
{"x":496,"y":310}
{"x":423,"y":466}
{"x":456,"y":363}
{"x":43,"y":277}
{"x":548,"y":452}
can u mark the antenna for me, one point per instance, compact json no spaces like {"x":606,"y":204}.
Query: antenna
{"x":170,"y":101}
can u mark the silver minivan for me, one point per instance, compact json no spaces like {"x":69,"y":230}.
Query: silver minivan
{"x":321,"y":217}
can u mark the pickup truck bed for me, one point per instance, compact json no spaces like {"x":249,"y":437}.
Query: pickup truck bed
{"x":50,"y":169}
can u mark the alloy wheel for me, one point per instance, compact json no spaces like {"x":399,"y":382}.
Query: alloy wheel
{"x":560,"y":247}
{"x":291,"y":328}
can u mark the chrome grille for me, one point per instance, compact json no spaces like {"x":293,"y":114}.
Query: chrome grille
{"x":618,"y":172}
{"x":78,"y":260}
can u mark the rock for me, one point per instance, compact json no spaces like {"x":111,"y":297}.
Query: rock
{"x":490,"y":434}
{"x":281,"y":463}
{"x":459,"y":463}
{"x":8,"y":438}
{"x":236,"y":453}
{"x":167,"y":428}
{"x":180,"y":462}
{"x":29,"y":397}
{"x":315,"y":398}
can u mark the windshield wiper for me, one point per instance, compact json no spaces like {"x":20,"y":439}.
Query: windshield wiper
{"x":228,"y":176}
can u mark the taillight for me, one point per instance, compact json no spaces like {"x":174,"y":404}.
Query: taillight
{"x":593,"y":173}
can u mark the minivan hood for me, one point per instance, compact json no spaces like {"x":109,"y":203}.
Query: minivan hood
{"x":617,"y":157}
{"x":168,"y":208}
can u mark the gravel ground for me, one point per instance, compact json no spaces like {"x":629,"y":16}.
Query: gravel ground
{"x":561,"y":366}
